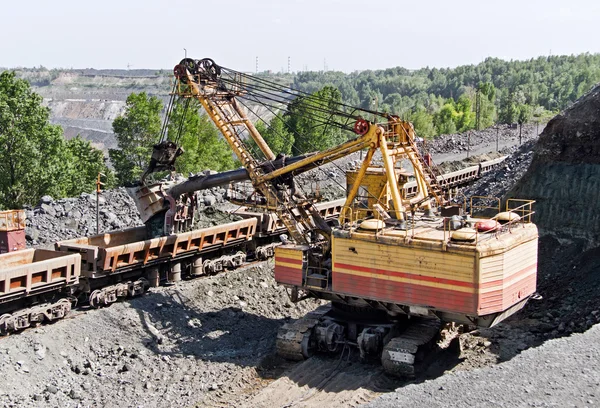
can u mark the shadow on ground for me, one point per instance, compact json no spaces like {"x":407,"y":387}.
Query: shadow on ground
{"x":233,"y":335}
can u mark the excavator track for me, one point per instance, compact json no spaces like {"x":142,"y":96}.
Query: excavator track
{"x":405,"y":355}
{"x":294,"y":340}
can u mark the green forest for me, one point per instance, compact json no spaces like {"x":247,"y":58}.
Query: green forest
{"x":446,"y":100}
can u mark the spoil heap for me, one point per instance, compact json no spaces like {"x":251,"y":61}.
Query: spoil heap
{"x":564,"y":176}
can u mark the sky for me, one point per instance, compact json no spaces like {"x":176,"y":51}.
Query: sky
{"x":343,"y":35}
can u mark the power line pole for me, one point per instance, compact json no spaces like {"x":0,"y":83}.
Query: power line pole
{"x":478,"y":109}
{"x":289,"y":65}
{"x":257,"y":64}
{"x":98,"y":191}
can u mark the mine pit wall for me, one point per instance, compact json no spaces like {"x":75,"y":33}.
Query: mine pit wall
{"x":564,"y":176}
{"x":567,"y":200}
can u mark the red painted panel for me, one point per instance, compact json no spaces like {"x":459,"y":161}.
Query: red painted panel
{"x":520,"y":289}
{"x":405,"y":275}
{"x":285,"y":274}
{"x":517,"y":275}
{"x":288,"y":260}
{"x":405,"y":293}
{"x":501,"y":299}
{"x":12,"y":241}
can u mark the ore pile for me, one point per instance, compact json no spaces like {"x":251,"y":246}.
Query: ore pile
{"x":564,"y":177}
{"x":500,"y":180}
{"x":54,"y":220}
{"x":462,"y":142}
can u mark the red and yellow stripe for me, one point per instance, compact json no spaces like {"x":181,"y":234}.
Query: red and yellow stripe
{"x":288,"y":265}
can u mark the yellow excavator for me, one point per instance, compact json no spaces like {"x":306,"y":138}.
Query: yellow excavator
{"x":394,"y":268}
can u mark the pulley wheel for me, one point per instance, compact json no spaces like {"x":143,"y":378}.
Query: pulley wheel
{"x":361,"y":127}
{"x":209,"y":68}
{"x":180,"y":73}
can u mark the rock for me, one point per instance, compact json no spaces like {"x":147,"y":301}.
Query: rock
{"x":32,"y":235}
{"x":76,"y":395}
{"x":213,"y":387}
{"x":155,"y":333}
{"x":209,"y":200}
{"x":86,"y":386}
{"x":47,"y":209}
{"x":38,"y":397}
{"x":47,"y":199}
{"x":51,"y":389}
{"x":40,"y":351}
{"x":194,"y":323}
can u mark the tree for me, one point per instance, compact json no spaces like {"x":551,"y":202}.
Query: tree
{"x":487,"y":104}
{"x":523,"y":117}
{"x":84,"y":164}
{"x":465,"y":117}
{"x":423,"y":123}
{"x":444,"y":119}
{"x":35,"y":160}
{"x":508,"y":110}
{"x":310,"y":120}
{"x":29,"y":145}
{"x":137,"y":130}
{"x":276,"y":135}
{"x":203,"y":146}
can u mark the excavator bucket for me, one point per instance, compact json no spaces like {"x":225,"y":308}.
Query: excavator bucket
{"x":163,"y":157}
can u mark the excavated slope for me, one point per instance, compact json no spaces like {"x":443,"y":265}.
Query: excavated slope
{"x":564,"y":176}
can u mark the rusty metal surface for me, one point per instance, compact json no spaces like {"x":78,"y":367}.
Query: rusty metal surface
{"x":12,"y":220}
{"x":36,"y":270}
{"x":101,"y":255}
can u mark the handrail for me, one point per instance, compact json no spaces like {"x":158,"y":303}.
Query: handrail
{"x":483,"y":207}
{"x":525,"y":210}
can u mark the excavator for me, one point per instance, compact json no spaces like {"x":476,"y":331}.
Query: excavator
{"x":393,"y":268}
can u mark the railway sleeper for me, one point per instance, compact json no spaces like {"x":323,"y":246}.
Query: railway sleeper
{"x":24,"y":318}
{"x":111,"y":294}
{"x":214,"y":266}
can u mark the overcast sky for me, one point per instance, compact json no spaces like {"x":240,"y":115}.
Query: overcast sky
{"x":345,"y":35}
